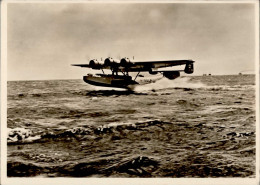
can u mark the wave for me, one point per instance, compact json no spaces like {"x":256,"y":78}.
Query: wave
{"x":140,"y":166}
{"x":229,"y":88}
{"x":18,"y":135}
{"x":187,"y":83}
{"x":115,"y":130}
{"x":24,"y":135}
{"x":70,"y":89}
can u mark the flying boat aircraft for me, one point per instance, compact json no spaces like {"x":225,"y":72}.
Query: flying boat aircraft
{"x":125,"y":66}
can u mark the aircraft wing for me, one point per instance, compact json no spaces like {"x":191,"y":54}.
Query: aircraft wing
{"x":81,"y":65}
{"x":147,"y":65}
{"x":98,"y":66}
{"x":135,"y":66}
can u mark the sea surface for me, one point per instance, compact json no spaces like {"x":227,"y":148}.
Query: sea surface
{"x":199,"y":126}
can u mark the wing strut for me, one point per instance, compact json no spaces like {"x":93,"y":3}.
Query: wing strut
{"x":137,"y":75}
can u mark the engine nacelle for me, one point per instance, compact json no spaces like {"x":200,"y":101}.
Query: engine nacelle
{"x":171,"y":74}
{"x":111,"y":62}
{"x":189,"y":68}
{"x":125,"y":62}
{"x":95,"y":64}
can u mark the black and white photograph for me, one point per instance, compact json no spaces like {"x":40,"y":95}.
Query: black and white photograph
{"x":130,"y":90}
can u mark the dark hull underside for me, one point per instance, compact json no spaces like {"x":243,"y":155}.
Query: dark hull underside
{"x":110,"y":81}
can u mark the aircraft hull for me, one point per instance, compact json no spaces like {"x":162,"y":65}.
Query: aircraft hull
{"x":109,"y":81}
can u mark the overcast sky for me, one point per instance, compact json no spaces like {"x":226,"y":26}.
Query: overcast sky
{"x":45,"y":38}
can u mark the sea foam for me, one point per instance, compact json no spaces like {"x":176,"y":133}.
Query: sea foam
{"x":165,"y":83}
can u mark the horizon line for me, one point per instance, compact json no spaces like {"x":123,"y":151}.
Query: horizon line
{"x":204,"y":74}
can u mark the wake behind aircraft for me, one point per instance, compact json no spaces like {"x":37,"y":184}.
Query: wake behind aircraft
{"x":125,"y":66}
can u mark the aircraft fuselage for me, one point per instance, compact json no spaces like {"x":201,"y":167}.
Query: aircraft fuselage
{"x":118,"y":81}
